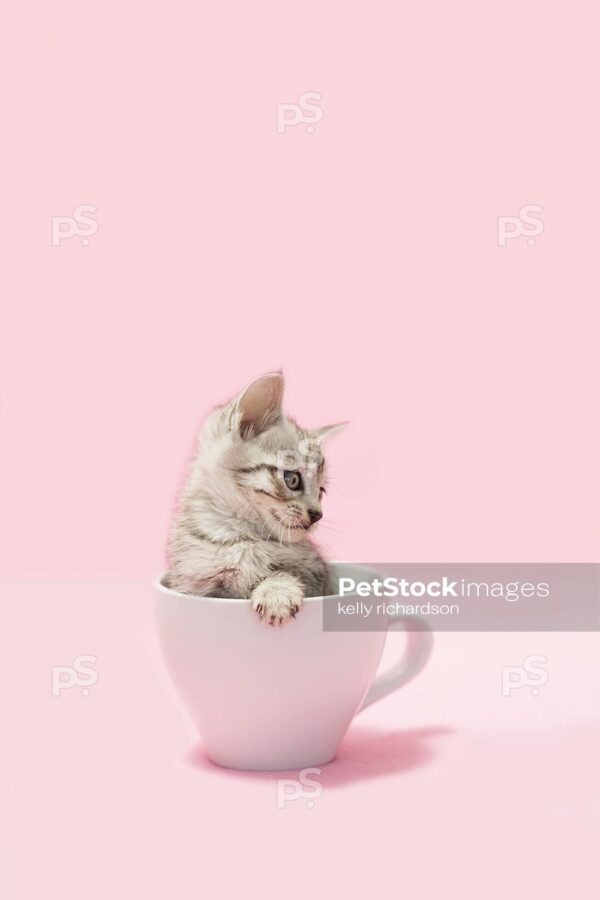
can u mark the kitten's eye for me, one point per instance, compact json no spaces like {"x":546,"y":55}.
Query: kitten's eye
{"x":293,"y":480}
{"x":322,"y":491}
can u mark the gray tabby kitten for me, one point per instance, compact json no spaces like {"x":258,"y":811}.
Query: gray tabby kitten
{"x":252,"y":497}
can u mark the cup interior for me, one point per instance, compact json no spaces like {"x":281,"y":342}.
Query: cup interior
{"x":340,"y":570}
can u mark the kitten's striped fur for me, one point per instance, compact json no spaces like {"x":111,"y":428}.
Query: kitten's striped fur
{"x":240,"y":531}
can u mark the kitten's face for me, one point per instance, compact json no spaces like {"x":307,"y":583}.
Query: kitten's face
{"x":260,"y":468}
{"x":280,"y":474}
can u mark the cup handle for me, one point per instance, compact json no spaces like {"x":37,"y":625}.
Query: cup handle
{"x":418,"y":650}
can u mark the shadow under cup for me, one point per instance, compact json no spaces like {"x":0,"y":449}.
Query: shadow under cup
{"x":267,"y":698}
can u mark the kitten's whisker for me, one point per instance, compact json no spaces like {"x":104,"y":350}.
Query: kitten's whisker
{"x":341,"y":529}
{"x":336,"y":528}
{"x":271,"y":531}
{"x":322,"y":540}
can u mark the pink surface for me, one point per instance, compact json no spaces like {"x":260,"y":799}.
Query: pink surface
{"x":363,"y":259}
{"x":446,"y":785}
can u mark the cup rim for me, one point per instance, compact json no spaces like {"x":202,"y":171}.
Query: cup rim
{"x":163,"y":589}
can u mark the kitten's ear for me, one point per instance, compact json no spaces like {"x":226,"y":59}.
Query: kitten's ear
{"x":320,"y":434}
{"x":259,"y":406}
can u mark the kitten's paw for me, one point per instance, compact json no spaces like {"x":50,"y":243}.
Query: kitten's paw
{"x":278,"y":598}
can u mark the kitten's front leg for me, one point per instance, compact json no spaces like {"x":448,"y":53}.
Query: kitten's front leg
{"x":277,"y":598}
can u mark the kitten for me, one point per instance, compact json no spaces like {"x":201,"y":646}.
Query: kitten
{"x":251,"y":500}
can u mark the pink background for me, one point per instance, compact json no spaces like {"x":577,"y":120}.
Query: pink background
{"x":363,"y":259}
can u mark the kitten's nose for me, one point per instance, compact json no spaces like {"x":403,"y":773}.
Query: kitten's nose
{"x":314,"y":515}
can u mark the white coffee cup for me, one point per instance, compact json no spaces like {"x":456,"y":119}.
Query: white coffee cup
{"x":265,"y":698}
